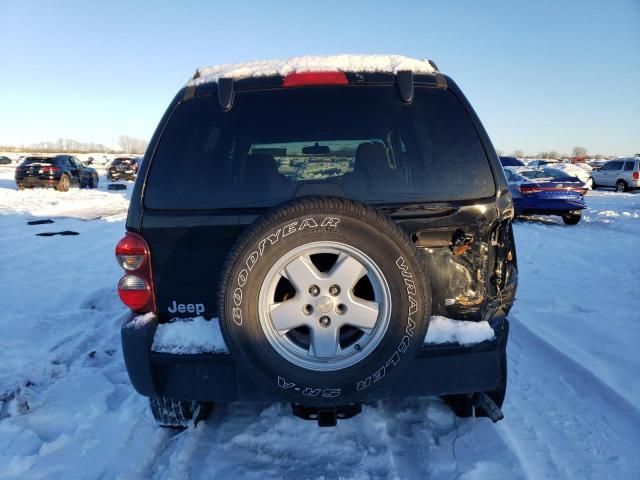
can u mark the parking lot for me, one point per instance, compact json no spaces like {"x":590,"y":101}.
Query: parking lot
{"x":67,"y":407}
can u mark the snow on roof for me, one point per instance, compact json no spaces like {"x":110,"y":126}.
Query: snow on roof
{"x":343,"y":63}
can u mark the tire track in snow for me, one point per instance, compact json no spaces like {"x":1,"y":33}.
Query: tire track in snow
{"x":561,"y":420}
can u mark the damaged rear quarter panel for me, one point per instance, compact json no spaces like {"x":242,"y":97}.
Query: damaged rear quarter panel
{"x":463,"y":280}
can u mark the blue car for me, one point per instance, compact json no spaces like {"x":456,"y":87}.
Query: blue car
{"x":546,"y":191}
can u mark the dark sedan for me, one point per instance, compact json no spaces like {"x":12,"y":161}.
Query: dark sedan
{"x":59,"y":172}
{"x":546,"y":192}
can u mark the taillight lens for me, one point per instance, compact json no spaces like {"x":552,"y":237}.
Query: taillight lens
{"x":135,"y":290}
{"x":50,"y":170}
{"x":636,"y":175}
{"x":528,"y":190}
{"x":131,"y":252}
{"x":315,"y":78}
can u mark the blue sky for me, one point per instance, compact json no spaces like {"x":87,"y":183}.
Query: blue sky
{"x":542,"y":75}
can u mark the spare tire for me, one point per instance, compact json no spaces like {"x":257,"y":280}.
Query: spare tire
{"x":324,"y":299}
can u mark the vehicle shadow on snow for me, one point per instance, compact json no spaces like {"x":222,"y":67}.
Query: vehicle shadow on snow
{"x":8,"y":183}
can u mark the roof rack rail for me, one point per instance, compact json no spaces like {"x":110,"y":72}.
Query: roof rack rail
{"x":441,"y":80}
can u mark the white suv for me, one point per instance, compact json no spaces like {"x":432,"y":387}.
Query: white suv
{"x":622,"y":173}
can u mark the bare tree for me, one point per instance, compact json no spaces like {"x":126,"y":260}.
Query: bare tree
{"x":499,"y":152}
{"x":518,"y":154}
{"x":131,"y":144}
{"x":579,"y":152}
{"x":554,"y":154}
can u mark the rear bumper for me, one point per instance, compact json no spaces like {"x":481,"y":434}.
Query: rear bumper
{"x":436,"y":370}
{"x":554,"y":207}
{"x":28,"y":181}
{"x":116,"y":175}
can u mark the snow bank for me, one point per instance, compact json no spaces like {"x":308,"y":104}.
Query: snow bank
{"x":445,"y":330}
{"x":188,"y":336}
{"x":197,"y":335}
{"x":85,"y":204}
{"x":141,"y":320}
{"x":344,"y":63}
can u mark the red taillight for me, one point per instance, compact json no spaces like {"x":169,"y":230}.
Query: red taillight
{"x":50,"y":169}
{"x":315,"y":78}
{"x":636,"y":175}
{"x":131,"y":252}
{"x":135,"y":290}
{"x":529,"y":190}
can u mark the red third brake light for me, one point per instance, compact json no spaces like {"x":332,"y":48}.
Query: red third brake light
{"x":302,"y":79}
{"x":136,"y":287}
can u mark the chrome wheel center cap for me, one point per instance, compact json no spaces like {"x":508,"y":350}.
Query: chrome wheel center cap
{"x":324,"y":305}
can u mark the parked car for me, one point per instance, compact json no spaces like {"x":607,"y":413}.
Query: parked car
{"x":123,"y":168}
{"x":541,"y":163}
{"x":623,"y":174}
{"x":59,"y":172}
{"x":328,"y":268}
{"x":573,"y":170}
{"x":546,"y":191}
{"x":5,"y":160}
{"x":511,"y":162}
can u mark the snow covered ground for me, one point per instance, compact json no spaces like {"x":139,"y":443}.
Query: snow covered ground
{"x":67,"y":409}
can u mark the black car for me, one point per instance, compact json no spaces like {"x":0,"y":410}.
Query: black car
{"x":123,"y":168}
{"x":59,"y":172}
{"x":329,"y":209}
{"x":5,"y":160}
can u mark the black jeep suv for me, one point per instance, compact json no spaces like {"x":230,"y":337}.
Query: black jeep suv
{"x":59,"y":172}
{"x":323,"y":217}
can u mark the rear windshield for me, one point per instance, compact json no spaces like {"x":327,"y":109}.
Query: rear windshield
{"x":360,"y":142}
{"x":31,"y":160}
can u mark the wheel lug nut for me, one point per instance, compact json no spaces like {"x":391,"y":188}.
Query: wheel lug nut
{"x":325,"y":321}
{"x":334,"y":290}
{"x":341,"y":308}
{"x":314,"y":290}
{"x":307,"y":309}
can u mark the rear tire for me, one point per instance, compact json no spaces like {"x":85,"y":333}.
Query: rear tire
{"x":172,"y":413}
{"x":63,"y":185}
{"x":621,"y":186}
{"x":572,"y":218}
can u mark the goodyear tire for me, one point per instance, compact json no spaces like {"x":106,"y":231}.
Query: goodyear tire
{"x":325,"y":300}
